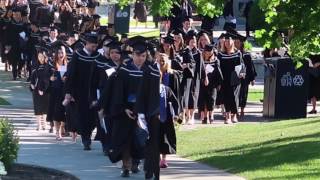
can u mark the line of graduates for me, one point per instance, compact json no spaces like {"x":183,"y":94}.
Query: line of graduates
{"x":209,"y":72}
{"x":24,"y":23}
{"x":114,"y":88}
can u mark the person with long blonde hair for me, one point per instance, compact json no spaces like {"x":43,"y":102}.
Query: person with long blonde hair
{"x":230,"y":60}
{"x":169,"y":108}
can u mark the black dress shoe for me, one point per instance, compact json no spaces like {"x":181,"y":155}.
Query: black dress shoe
{"x":205,"y":121}
{"x":87,"y":148}
{"x":313,"y":112}
{"x":125,"y":173}
{"x":135,"y":169}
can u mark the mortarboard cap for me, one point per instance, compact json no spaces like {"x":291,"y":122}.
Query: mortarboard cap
{"x":222,"y":35}
{"x":96,"y":16}
{"x":202,"y":32}
{"x":168,"y":40}
{"x":115,"y":45}
{"x":177,"y":32}
{"x":138,"y":43}
{"x":91,"y":38}
{"x":191,"y":34}
{"x":186,"y":18}
{"x":125,"y":35}
{"x":209,"y":47}
{"x":103,"y":30}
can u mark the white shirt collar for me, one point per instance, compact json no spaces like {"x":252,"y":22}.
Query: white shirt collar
{"x":86,"y":51}
{"x":52,"y":40}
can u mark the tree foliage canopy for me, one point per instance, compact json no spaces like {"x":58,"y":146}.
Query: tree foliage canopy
{"x":298,"y":19}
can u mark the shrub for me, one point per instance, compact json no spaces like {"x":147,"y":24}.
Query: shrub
{"x":8,"y":143}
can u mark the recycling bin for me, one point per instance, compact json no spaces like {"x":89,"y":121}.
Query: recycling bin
{"x":119,"y":18}
{"x":285,"y":89}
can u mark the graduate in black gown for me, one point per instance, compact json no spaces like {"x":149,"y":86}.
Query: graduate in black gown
{"x":79,"y":87}
{"x":187,"y":85}
{"x":230,"y":58}
{"x":169,"y":109}
{"x":56,"y":110}
{"x":16,"y":39}
{"x":210,"y":84}
{"x":105,"y":67}
{"x":40,"y":83}
{"x":314,"y":84}
{"x":250,"y":73}
{"x":148,"y":110}
{"x":120,"y":95}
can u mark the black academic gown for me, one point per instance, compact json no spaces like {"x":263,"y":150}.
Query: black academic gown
{"x":40,"y":78}
{"x":230,"y":93}
{"x":208,"y":94}
{"x":56,"y":111}
{"x":187,"y":84}
{"x":102,"y":65}
{"x":79,"y":85}
{"x":314,"y":79}
{"x":250,"y":76}
{"x":172,"y":108}
{"x":123,"y":96}
{"x":148,"y":103}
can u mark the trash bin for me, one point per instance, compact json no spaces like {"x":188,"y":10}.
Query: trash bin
{"x":285,"y":89}
{"x":120,"y":18}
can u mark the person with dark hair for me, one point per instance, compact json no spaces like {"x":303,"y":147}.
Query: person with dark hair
{"x":66,"y":17}
{"x":79,"y":87}
{"x":40,"y":82}
{"x":179,"y":12}
{"x":17,"y":36}
{"x":210,"y":84}
{"x":56,"y":111}
{"x":140,"y":12}
{"x":44,"y":14}
{"x":247,"y":16}
{"x":228,"y":14}
{"x":314,"y":85}
{"x":250,"y":73}
{"x":148,"y":110}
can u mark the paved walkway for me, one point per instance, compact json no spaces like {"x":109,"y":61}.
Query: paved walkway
{"x":41,"y":148}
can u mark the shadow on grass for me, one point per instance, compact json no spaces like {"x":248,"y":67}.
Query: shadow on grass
{"x":301,"y":122}
{"x":267,"y":155}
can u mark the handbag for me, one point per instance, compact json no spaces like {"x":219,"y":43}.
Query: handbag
{"x":234,"y":78}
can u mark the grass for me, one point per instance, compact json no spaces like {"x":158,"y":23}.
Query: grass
{"x":154,"y":33}
{"x":276,"y":150}
{"x":255,"y":95}
{"x":104,"y":22}
{"x":151,"y":33}
{"x":3,"y":102}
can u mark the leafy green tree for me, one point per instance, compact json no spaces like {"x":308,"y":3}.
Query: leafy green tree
{"x":298,"y":19}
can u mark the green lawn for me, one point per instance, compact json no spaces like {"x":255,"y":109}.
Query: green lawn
{"x":255,"y":95}
{"x":104,"y":22}
{"x":154,"y":33}
{"x":3,"y":102}
{"x":277,"y":150}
